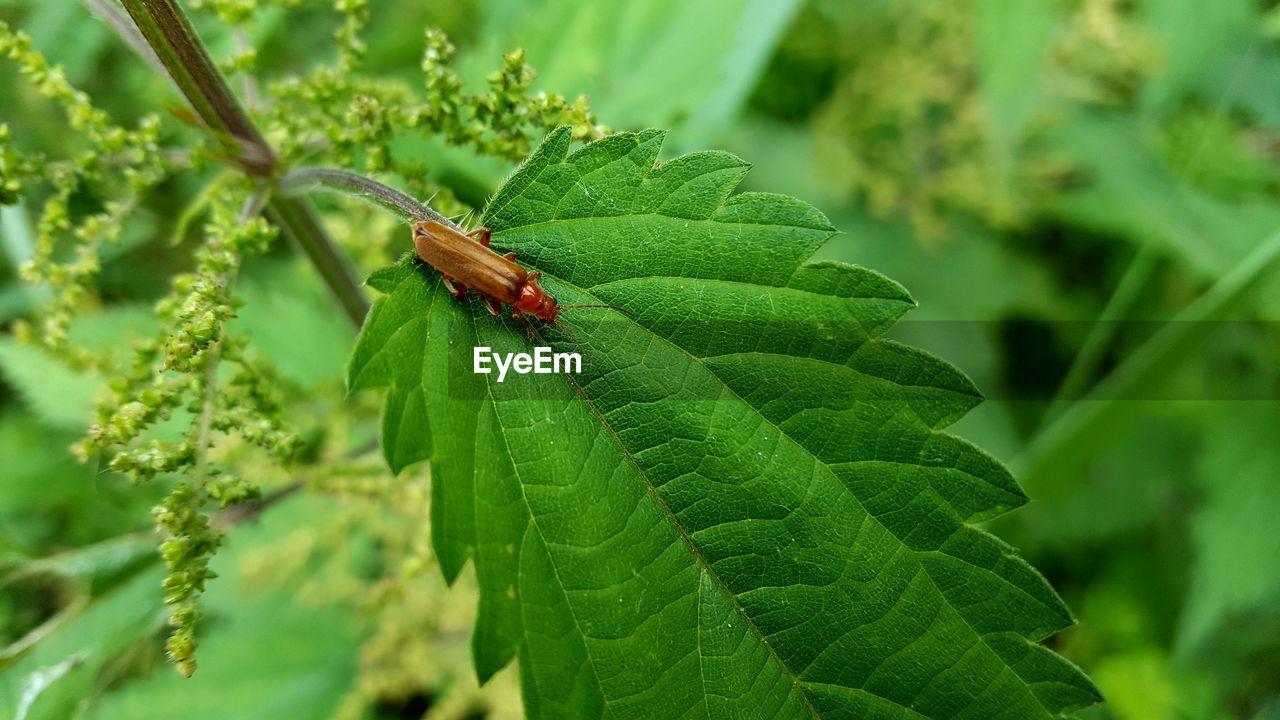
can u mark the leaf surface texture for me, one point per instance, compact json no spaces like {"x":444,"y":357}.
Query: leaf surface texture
{"x":745,"y":506}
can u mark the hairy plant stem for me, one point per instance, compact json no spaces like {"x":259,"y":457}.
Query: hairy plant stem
{"x":409,"y":209}
{"x":299,"y":221}
{"x":168,"y":32}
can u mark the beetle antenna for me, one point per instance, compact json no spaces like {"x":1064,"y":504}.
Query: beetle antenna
{"x":590,"y":356}
{"x":565,"y":329}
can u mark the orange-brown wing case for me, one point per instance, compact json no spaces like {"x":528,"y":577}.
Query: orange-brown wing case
{"x":466,"y":261}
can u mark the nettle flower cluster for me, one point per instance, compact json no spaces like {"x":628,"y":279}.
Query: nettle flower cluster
{"x":193,"y":382}
{"x":111,"y":156}
{"x":351,"y":120}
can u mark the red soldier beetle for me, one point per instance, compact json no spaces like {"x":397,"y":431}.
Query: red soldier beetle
{"x":470,"y":265}
{"x":467,"y":263}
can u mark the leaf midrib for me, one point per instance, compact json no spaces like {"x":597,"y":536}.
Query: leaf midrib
{"x":702,"y":362}
{"x":589,"y":291}
{"x":533,"y":520}
{"x":652,"y":489}
{"x":795,"y":680}
{"x":694,"y":550}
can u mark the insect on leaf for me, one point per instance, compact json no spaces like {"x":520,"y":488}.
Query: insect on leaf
{"x":745,"y":505}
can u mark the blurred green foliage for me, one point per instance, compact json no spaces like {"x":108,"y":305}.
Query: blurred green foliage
{"x":1055,"y":182}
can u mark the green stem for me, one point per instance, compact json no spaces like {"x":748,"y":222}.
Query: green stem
{"x":358,"y":186}
{"x":300,"y":223}
{"x":1104,"y":331}
{"x":1146,"y":368}
{"x":167,"y":31}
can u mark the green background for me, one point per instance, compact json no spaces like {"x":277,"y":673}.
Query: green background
{"x":1083,"y":196}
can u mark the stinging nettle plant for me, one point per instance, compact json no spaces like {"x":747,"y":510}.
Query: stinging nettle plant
{"x":746,"y":506}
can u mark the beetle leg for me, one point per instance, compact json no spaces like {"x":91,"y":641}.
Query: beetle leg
{"x":494,"y":306}
{"x":510,"y":256}
{"x":533,"y":276}
{"x":458,"y":291}
{"x":481,"y":234}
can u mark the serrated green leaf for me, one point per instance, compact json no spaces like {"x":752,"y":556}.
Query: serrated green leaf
{"x":745,"y":505}
{"x":59,"y":396}
{"x":52,"y":392}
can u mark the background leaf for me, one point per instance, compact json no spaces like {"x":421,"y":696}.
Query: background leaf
{"x":1235,"y":580}
{"x":611,"y":52}
{"x":62,"y":670}
{"x":269,"y":652}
